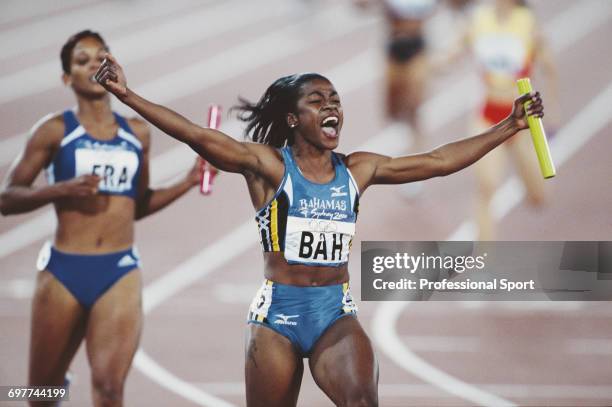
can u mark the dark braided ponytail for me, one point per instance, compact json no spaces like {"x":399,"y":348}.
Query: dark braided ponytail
{"x":267,"y":119}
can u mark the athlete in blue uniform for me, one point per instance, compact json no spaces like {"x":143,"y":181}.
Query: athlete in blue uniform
{"x":306,"y":198}
{"x":89,"y":285}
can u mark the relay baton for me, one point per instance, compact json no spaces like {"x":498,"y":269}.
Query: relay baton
{"x":207,"y":171}
{"x":537,"y":134}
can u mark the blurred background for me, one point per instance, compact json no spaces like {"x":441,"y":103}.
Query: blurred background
{"x":202,"y":262}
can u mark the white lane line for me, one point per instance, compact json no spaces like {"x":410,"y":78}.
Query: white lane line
{"x":279,"y":44}
{"x":234,"y":293}
{"x":18,"y":288}
{"x":601,"y":347}
{"x":175,"y":385}
{"x":213,"y":257}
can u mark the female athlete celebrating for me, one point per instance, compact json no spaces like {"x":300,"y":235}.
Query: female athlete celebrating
{"x":306,"y":198}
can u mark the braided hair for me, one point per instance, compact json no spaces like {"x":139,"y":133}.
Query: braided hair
{"x":267,"y":119}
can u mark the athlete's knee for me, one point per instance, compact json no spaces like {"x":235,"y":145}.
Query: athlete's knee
{"x":537,"y":197}
{"x":363,"y":399}
{"x":360,"y":396}
{"x":108,"y":390}
{"x":486,"y":189}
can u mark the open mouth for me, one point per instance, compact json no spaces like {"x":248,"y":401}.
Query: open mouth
{"x":329,"y":125}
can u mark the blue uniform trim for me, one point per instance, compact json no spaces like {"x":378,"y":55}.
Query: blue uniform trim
{"x":301,"y":314}
{"x":87,"y":277}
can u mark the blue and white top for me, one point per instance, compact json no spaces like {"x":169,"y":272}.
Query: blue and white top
{"x":313,"y":224}
{"x":117,"y":161}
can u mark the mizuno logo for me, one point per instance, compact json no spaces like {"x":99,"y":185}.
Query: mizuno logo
{"x":284,"y":319}
{"x":126,"y":261}
{"x":337,"y":191}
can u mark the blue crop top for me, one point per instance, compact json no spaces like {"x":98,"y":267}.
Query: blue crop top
{"x":313,"y":224}
{"x":117,"y":161}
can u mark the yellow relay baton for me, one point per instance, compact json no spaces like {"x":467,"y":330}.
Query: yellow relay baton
{"x":537,"y":134}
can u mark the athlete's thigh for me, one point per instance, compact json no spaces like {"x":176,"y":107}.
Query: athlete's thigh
{"x":58,"y":326}
{"x":114,"y":327}
{"x":416,"y":79}
{"x":490,"y":168}
{"x":396,"y":88}
{"x":528,"y":169}
{"x":343,"y":364}
{"x":273,"y":369}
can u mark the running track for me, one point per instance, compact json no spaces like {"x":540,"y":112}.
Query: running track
{"x":188,"y":54}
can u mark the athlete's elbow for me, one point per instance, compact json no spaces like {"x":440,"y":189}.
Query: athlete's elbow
{"x":5,"y":206}
{"x":440,"y":164}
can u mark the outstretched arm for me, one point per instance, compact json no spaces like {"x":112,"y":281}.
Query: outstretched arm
{"x":370,"y":169}
{"x":221,"y":150}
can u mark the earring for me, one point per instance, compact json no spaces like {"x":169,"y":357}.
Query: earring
{"x":293,"y":125}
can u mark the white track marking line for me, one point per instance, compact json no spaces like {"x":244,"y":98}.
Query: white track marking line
{"x":213,"y":257}
{"x":174,"y":384}
{"x":602,"y":347}
{"x":583,"y":126}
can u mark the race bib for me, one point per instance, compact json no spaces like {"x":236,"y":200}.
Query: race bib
{"x":115,"y":167}
{"x":318,"y":241}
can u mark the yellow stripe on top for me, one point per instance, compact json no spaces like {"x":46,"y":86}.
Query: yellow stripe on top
{"x":274,"y":226}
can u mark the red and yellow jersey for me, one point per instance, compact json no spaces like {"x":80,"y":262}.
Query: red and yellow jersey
{"x":503,"y":49}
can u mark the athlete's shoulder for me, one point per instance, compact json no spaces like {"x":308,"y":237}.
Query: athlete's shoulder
{"x":49,"y":129}
{"x":360,"y":158}
{"x":141,"y":130}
